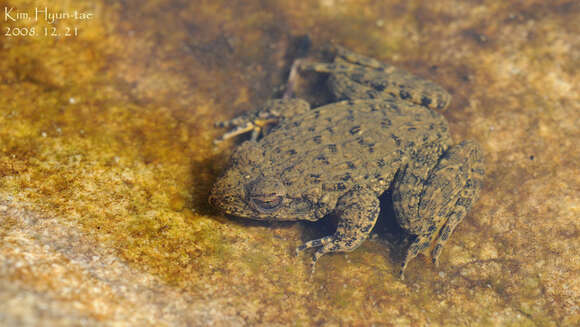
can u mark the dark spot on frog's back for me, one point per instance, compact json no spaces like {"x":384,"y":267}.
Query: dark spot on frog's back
{"x":404,"y":94}
{"x":355,"y":130}
{"x":386,"y":122}
{"x":396,"y":139}
{"x":317,"y":139}
{"x":322,"y":158}
{"x":425,"y":101}
{"x":332,"y":148}
{"x":291,"y":152}
{"x":315,"y":178}
{"x":395,"y":109}
{"x":380,"y":87}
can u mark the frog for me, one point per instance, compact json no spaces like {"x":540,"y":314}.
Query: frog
{"x":383,"y":130}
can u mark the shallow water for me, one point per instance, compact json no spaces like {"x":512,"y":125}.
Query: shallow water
{"x":106,"y":159}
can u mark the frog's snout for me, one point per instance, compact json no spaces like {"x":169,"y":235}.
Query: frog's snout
{"x":219,"y":198}
{"x":212,"y":201}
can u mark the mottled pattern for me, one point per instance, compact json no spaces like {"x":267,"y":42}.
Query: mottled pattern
{"x":339,"y":158}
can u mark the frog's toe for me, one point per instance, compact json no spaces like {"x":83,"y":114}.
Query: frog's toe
{"x":435,"y":254}
{"x":325,"y":248}
{"x":314,"y":243}
{"x":238,"y":130}
{"x":316,"y":256}
{"x":418,"y":246}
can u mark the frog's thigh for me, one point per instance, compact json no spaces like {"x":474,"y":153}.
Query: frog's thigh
{"x":357,"y":212}
{"x":450,"y":190}
{"x":346,"y":55}
{"x":410,"y":183}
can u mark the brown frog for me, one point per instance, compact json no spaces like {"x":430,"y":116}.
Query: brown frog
{"x":382,"y":131}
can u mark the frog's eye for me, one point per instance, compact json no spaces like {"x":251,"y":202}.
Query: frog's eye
{"x":266,"y":203}
{"x":265,"y":194}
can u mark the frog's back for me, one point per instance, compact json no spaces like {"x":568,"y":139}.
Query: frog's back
{"x":360,"y":141}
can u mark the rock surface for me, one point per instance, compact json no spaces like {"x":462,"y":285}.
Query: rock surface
{"x":106,"y":159}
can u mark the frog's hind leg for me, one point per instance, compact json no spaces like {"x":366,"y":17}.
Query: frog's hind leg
{"x":384,"y":81}
{"x":448,"y":193}
{"x":408,"y":187}
{"x":395,"y":81}
{"x":261,"y":121}
{"x":467,"y":196}
{"x":358,"y":211}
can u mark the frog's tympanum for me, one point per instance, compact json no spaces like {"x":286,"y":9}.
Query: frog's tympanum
{"x":382,"y":131}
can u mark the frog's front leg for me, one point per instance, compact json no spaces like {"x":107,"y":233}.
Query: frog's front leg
{"x":357,"y":212}
{"x":259,"y":122}
{"x":353,"y":76}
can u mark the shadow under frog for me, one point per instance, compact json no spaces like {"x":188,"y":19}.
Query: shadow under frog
{"x":382,"y":132}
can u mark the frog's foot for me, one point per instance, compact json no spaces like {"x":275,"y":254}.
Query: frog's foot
{"x":292,"y":79}
{"x":353,"y":76}
{"x":418,"y":246}
{"x":358,"y":211}
{"x":451,"y":189}
{"x":312,"y":244}
{"x":242,"y":125}
{"x":261,"y":121}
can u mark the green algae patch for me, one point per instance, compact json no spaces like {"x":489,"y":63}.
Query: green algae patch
{"x":76,"y":142}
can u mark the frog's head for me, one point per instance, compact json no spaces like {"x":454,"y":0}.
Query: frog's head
{"x":249,"y":189}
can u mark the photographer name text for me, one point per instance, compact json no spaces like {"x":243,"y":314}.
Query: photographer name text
{"x":45,"y":14}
